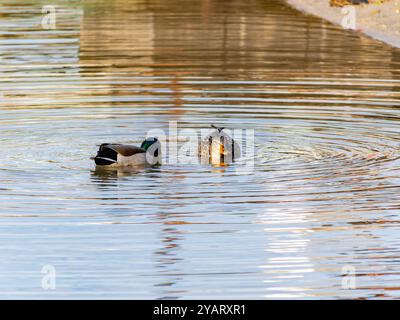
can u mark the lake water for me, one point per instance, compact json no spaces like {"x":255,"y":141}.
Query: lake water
{"x":322,"y":201}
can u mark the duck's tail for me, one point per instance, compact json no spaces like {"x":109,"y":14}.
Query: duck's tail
{"x":105,"y":156}
{"x":218,"y":128}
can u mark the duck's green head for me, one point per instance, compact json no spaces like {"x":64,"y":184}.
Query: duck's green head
{"x":148,"y":142}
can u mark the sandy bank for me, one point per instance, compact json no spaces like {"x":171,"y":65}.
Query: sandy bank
{"x":379,"y":21}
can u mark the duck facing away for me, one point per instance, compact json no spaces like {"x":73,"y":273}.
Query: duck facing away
{"x":112,"y":155}
{"x":218,"y":147}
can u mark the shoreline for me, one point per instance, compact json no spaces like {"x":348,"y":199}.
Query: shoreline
{"x":378,"y":21}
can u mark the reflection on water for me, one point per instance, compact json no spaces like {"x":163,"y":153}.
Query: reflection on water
{"x":323,"y":195}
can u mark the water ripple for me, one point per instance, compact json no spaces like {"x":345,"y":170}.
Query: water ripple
{"x":323,"y":104}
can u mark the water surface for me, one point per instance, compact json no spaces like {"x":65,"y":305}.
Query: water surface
{"x":324,"y":194}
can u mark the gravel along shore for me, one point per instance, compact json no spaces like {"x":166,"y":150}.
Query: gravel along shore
{"x":379,"y":19}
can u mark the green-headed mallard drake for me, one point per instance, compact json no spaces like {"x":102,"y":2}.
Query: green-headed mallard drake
{"x":218,"y":147}
{"x":119,"y":155}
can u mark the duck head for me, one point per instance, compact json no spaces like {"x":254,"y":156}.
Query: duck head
{"x":148,"y":142}
{"x":153,"y":149}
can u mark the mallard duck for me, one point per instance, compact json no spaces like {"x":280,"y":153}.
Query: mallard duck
{"x":120,"y":155}
{"x":218,"y":147}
